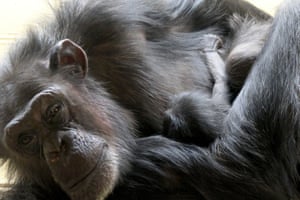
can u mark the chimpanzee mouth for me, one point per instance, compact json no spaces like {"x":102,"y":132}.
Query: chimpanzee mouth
{"x":78,"y":184}
{"x":82,"y":180}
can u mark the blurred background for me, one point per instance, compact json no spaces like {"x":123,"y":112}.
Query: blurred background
{"x":15,"y":15}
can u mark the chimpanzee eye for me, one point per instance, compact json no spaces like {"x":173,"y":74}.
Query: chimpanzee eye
{"x":56,"y":115}
{"x":53,"y":112}
{"x":28,"y":143}
{"x":26,"y":139}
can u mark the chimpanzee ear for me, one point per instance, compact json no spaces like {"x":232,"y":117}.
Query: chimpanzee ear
{"x":71,"y":57}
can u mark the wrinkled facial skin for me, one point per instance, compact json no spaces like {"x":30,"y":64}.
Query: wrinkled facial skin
{"x":62,"y":133}
{"x":46,"y":126}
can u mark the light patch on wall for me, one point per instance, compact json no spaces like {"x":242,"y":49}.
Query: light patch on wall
{"x":269,"y":6}
{"x":16,"y":15}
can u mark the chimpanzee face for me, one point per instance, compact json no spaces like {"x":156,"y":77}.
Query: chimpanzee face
{"x":54,"y":123}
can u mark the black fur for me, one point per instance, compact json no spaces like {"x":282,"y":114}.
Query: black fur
{"x":76,"y":90}
{"x":257,"y":153}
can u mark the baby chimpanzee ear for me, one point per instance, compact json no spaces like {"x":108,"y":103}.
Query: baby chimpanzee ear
{"x":69,"y":57}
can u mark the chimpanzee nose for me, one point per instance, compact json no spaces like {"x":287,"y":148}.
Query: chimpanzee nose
{"x":53,"y":147}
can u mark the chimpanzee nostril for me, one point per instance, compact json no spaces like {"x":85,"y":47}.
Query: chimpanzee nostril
{"x":53,"y":156}
{"x":54,"y":146}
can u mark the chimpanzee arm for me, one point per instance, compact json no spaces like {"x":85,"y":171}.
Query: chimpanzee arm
{"x":257,"y":158}
{"x":197,"y":116}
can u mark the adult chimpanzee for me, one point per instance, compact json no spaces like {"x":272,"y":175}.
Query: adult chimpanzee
{"x":76,"y":90}
{"x":256,"y":156}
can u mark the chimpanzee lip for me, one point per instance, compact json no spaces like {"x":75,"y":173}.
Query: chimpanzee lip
{"x":74,"y":186}
{"x":81,"y":180}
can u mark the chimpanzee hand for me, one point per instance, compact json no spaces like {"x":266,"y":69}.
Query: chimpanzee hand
{"x":195,"y":116}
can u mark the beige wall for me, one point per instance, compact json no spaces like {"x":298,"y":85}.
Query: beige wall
{"x":269,"y":6}
{"x":16,"y":14}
